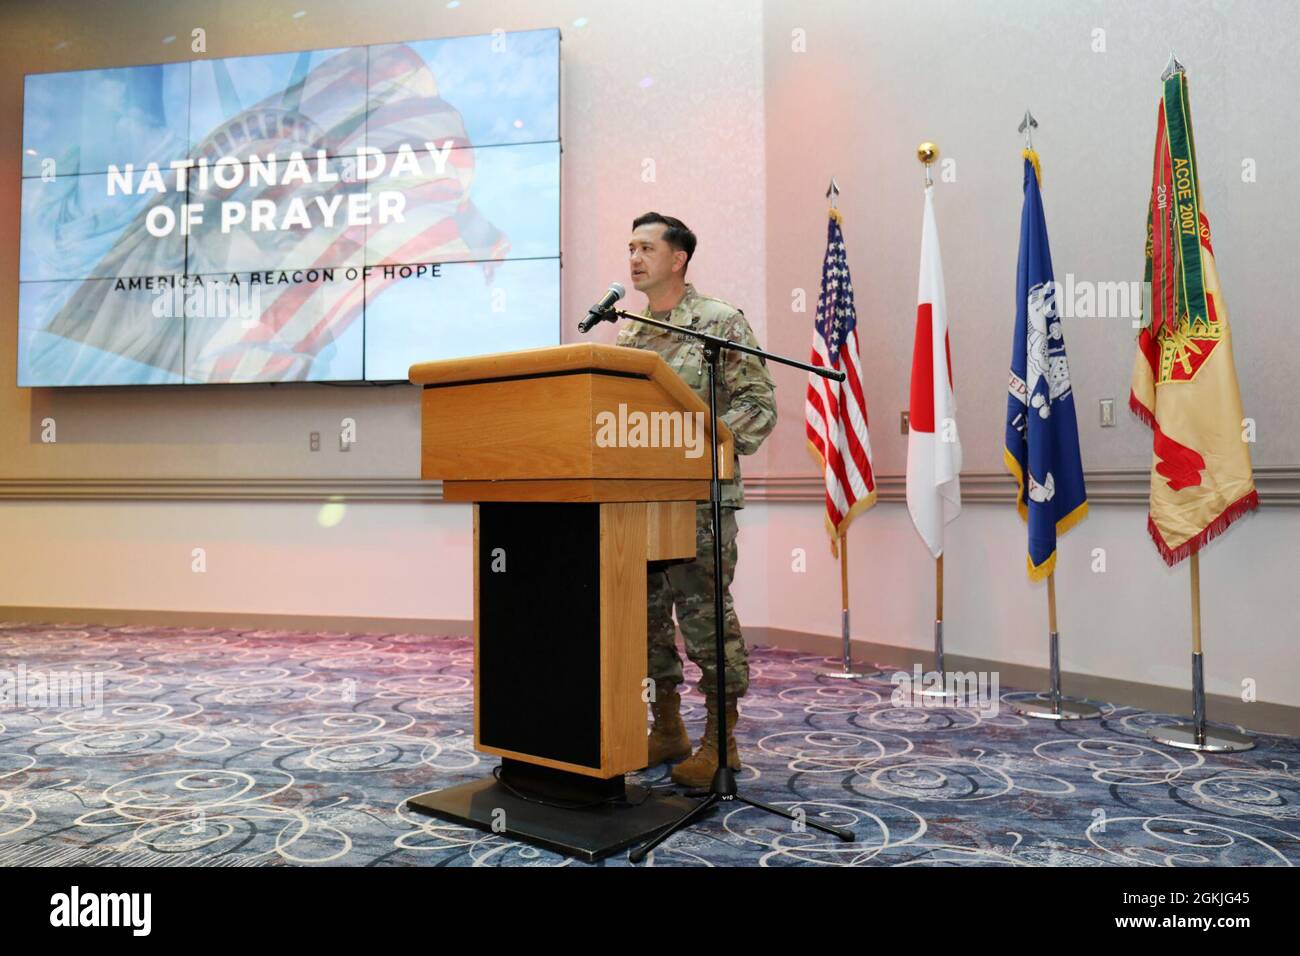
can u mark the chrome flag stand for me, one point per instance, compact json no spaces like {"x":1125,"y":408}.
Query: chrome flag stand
{"x":1198,"y":735}
{"x":942,"y":691}
{"x":847,"y":671}
{"x":1055,"y":706}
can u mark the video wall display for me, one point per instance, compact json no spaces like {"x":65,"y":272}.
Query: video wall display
{"x":328,"y":215}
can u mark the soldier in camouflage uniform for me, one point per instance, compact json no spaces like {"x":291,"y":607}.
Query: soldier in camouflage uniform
{"x":658,"y":252}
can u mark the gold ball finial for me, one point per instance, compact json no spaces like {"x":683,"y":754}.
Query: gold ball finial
{"x":927,"y":153}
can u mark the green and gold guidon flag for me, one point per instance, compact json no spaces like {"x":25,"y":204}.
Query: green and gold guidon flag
{"x":1184,"y":380}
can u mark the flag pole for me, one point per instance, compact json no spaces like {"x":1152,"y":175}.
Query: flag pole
{"x":1054,"y":636}
{"x":940,"y":690}
{"x":1056,"y":707}
{"x":1197,"y":735}
{"x":926,"y":154}
{"x":846,"y":671}
{"x":938,"y":614}
{"x":1198,"y":674}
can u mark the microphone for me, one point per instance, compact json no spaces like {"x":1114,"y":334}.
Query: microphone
{"x":600,"y":311}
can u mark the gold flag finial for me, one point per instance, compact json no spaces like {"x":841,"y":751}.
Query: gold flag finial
{"x":927,"y":153}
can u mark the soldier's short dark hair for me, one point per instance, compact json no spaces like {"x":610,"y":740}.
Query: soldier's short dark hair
{"x":676,"y":233}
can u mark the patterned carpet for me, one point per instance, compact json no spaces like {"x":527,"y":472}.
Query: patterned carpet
{"x":254,"y":748}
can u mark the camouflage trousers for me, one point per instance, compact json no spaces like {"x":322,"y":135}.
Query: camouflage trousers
{"x":689,"y":588}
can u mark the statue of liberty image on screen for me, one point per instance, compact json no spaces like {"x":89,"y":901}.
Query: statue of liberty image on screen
{"x":330,"y":215}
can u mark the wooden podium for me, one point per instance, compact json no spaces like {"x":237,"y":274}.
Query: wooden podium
{"x":584,"y":463}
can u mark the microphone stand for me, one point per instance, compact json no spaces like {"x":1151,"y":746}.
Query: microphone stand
{"x":723,"y":788}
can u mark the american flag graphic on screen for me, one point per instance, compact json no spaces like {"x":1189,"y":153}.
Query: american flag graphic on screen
{"x":348,"y":99}
{"x":837,"y":411}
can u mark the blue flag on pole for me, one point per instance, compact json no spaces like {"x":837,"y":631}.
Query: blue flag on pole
{"x":1042,"y":440}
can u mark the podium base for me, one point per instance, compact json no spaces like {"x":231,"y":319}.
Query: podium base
{"x":588,"y":830}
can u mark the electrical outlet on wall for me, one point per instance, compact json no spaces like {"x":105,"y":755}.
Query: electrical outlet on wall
{"x":314,"y":439}
{"x":1108,"y":413}
{"x":904,"y":425}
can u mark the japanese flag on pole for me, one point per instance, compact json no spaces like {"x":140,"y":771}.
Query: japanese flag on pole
{"x":933,"y":449}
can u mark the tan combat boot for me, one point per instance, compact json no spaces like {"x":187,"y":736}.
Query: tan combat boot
{"x":668,"y":738}
{"x":697,"y":772}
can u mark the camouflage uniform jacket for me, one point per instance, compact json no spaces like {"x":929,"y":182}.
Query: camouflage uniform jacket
{"x":746,"y":392}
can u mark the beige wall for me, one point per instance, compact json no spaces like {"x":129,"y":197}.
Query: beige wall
{"x":745,"y":134}
{"x":700,"y":120}
{"x":1127,"y":618}
{"x":1130,"y":621}
{"x":880,"y":76}
{"x":304,"y":559}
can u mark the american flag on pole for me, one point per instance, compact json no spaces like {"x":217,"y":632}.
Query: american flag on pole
{"x":836,"y":412}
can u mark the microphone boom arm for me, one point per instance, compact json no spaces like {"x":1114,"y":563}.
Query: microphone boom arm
{"x":718,"y":342}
